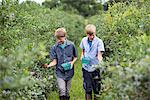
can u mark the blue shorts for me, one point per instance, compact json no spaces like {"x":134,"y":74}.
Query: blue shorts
{"x":92,"y":81}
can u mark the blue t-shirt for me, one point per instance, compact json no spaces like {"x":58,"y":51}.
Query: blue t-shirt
{"x":89,"y":42}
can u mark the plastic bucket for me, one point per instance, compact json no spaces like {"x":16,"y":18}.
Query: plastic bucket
{"x":66,"y":66}
{"x":85,"y":60}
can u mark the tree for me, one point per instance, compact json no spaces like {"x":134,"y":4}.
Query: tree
{"x":83,"y":7}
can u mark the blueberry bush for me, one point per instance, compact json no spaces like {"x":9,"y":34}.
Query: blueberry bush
{"x":27,"y":34}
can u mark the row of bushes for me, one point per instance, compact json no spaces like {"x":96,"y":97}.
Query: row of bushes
{"x":124,"y":29}
{"x":27,"y":33}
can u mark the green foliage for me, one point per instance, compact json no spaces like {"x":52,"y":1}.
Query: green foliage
{"x":129,"y":78}
{"x":26,"y":38}
{"x":27,"y":33}
{"x":7,"y":12}
{"x":124,"y":28}
{"x":120,"y":23}
{"x":82,"y":7}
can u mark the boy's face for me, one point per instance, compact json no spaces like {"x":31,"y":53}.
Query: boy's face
{"x":91,"y":36}
{"x":61,"y":39}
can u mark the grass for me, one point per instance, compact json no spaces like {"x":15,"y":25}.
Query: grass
{"x":77,"y":91}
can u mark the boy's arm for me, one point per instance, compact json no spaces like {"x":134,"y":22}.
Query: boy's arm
{"x":100,"y":50}
{"x":74,"y":60}
{"x":53,"y":63}
{"x":75,"y":54}
{"x":83,"y":50}
{"x":100,"y":58}
{"x":82,"y":54}
{"x":53,"y":57}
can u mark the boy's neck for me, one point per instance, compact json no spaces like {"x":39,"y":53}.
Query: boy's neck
{"x":90,"y":40}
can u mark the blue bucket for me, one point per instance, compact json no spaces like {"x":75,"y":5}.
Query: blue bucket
{"x":66,"y":66}
{"x":85,"y":60}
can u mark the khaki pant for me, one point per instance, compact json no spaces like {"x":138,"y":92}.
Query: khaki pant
{"x":64,"y":87}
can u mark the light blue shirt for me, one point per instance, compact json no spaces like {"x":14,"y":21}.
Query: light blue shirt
{"x":91,"y":52}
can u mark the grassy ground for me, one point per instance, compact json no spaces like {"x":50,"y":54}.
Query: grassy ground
{"x":77,"y":91}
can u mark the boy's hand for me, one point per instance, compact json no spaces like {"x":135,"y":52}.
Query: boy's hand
{"x":71,"y":64}
{"x":45,"y":65}
{"x":81,"y":58}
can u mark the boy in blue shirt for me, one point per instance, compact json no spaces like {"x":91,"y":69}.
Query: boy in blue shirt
{"x":63,"y":55}
{"x":91,"y":56}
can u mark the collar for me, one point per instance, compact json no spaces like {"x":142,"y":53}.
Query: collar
{"x":67,"y":42}
{"x":95,"y":38}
